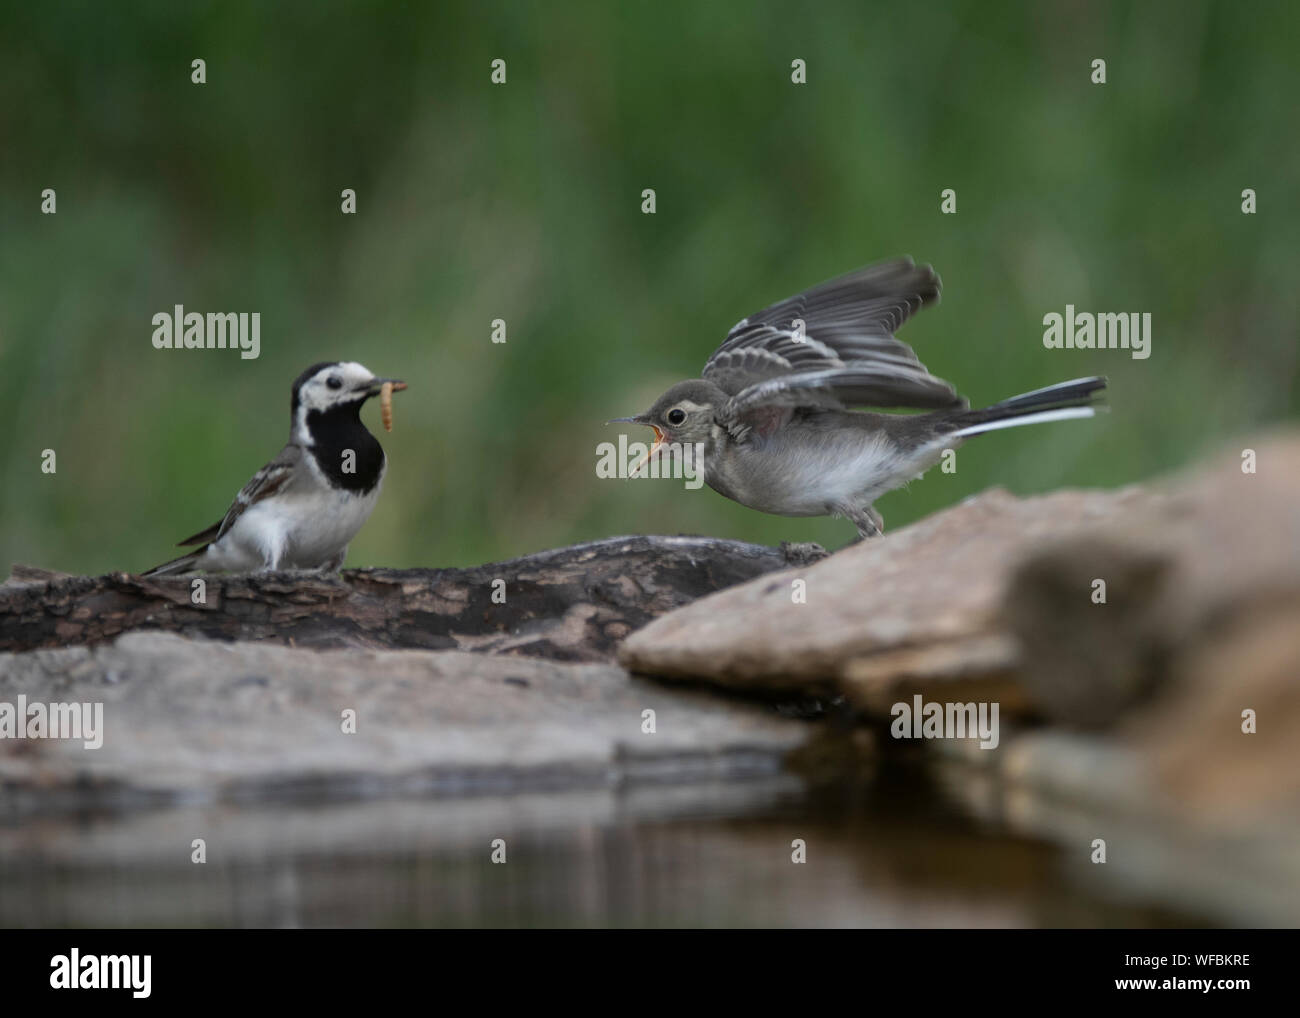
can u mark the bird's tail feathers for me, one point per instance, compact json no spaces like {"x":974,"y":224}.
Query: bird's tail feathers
{"x":184,"y":564}
{"x":1064,"y":401}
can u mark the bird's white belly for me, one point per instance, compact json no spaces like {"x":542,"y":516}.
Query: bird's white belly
{"x":294,"y":532}
{"x":832,"y":469}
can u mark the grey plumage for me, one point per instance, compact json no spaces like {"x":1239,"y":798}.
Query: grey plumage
{"x":845,"y":354}
{"x":776,"y":408}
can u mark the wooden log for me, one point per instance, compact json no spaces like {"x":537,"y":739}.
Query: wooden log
{"x":572,"y":604}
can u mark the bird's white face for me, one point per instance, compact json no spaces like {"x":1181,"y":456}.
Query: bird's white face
{"x":335,"y":385}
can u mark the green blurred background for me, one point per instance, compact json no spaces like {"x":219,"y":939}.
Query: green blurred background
{"x":522,"y":202}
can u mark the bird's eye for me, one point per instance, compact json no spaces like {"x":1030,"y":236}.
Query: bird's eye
{"x":676,"y":416}
{"x":334,"y":382}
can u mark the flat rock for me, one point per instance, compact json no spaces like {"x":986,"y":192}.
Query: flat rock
{"x":920,"y":605}
{"x":1078,"y":606}
{"x":1181,"y":583}
{"x":1222,"y":741}
{"x":1230,"y":864}
{"x":196,"y":721}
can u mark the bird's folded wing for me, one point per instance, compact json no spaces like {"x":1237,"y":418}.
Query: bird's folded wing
{"x":267,"y":481}
{"x":837,"y":389}
{"x":833,"y":347}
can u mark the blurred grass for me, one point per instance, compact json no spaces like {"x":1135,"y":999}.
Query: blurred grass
{"x":522,"y":202}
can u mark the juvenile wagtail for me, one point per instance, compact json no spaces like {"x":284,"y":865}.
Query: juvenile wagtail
{"x":773,"y":410}
{"x":301,"y":509}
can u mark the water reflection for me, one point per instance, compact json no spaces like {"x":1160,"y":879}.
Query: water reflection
{"x":882,"y":850}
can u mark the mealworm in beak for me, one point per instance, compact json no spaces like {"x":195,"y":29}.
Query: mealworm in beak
{"x":386,"y":405}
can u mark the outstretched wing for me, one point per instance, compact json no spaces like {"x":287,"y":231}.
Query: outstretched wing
{"x":833,"y":346}
{"x":267,"y":481}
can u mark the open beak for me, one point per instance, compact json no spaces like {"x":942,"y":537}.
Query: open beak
{"x":373,"y":386}
{"x":659,"y":439}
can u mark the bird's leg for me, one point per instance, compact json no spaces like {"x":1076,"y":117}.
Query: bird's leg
{"x":869,"y":522}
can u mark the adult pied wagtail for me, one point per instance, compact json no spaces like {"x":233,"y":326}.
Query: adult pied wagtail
{"x":773,"y":409}
{"x":301,"y":509}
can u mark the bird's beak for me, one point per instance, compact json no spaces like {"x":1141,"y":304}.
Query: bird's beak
{"x":659,"y":439}
{"x":373,"y":386}
{"x":650,"y":454}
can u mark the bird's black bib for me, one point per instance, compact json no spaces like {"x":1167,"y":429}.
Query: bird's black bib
{"x":338,"y":430}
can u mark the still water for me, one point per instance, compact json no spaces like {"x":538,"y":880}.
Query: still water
{"x":881,"y":849}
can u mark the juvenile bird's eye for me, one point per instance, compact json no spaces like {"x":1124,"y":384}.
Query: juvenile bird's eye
{"x":335,"y":382}
{"x":676,"y":416}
